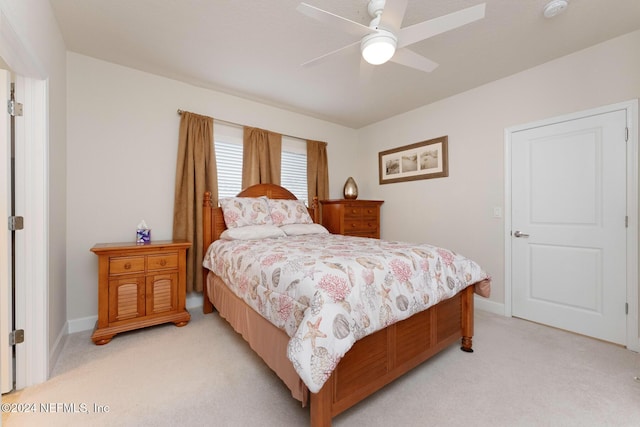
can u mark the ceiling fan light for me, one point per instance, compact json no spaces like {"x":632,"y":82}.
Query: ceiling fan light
{"x":378,"y":48}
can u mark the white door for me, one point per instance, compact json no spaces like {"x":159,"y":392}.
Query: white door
{"x":568,"y":242}
{"x":6,"y":323}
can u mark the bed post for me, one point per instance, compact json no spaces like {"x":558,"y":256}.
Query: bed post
{"x":467,"y":319}
{"x":315,"y":210}
{"x":207,"y":239}
{"x":320,"y":409}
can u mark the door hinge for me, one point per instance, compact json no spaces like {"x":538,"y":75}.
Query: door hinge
{"x":16,"y":337}
{"x":626,"y":308}
{"x":16,"y":223}
{"x":14,"y":108}
{"x":626,"y":221}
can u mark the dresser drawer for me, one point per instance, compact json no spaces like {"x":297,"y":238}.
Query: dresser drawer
{"x":370,"y":212}
{"x":370,"y":225}
{"x":352,"y":217}
{"x":126,"y":265}
{"x":361,"y":225}
{"x":358,"y":224}
{"x":162,"y":262}
{"x":352,"y":212}
{"x":361,"y":212}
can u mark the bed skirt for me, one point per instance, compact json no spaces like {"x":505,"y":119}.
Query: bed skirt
{"x":263,"y":338}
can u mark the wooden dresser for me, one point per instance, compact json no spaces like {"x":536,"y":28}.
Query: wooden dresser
{"x":139,"y":286}
{"x":352,"y":217}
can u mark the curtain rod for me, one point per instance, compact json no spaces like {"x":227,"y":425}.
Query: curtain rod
{"x":217,"y":120}
{"x":241,"y":125}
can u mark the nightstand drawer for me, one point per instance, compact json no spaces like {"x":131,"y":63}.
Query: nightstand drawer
{"x":126,"y":265}
{"x":162,"y":262}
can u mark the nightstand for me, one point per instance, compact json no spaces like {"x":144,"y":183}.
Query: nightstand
{"x":352,"y":217}
{"x":140,"y":286}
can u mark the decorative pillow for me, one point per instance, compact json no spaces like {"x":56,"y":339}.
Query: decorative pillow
{"x":287,"y":211}
{"x":252,"y":232}
{"x":243,"y":211}
{"x":300,"y":229}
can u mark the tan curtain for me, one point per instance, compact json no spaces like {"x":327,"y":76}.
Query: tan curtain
{"x":195,"y":173}
{"x":261,"y":157}
{"x":317,"y":170}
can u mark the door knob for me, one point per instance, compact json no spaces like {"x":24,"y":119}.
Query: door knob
{"x":519,"y":234}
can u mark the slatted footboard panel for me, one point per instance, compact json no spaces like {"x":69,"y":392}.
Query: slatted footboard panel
{"x":378,"y":359}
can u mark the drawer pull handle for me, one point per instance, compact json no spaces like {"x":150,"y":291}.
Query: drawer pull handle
{"x":163,"y":262}
{"x":127,"y":266}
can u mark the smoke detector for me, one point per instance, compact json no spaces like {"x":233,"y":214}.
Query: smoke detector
{"x":554,"y":8}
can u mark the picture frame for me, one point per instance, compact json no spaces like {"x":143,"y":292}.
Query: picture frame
{"x":422,"y":160}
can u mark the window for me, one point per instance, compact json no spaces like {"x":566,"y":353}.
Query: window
{"x":228,"y":146}
{"x":293,"y":172}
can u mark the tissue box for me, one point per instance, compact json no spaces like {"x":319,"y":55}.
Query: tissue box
{"x":143,"y":236}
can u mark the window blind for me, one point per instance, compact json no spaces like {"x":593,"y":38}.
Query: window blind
{"x":228,"y":148}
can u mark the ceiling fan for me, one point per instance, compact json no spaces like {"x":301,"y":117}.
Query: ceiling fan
{"x":383,"y":40}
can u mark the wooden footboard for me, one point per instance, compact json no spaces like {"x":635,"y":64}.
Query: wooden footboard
{"x":380,"y":358}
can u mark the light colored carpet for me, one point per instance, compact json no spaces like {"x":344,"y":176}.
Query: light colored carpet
{"x":521,"y":374}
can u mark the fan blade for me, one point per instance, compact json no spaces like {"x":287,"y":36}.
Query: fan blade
{"x":336,"y":21}
{"x":432,"y":27}
{"x":393,"y":14}
{"x":409,"y":58}
{"x":348,"y":49}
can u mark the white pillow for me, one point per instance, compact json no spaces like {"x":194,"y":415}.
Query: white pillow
{"x":252,"y":232}
{"x":287,"y":211}
{"x":244,"y":211}
{"x":300,"y":229}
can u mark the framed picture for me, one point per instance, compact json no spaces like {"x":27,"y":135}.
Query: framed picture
{"x":422,"y":160}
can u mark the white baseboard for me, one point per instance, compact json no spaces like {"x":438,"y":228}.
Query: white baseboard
{"x":487,"y":305}
{"x":193,"y":301}
{"x":82,"y":324}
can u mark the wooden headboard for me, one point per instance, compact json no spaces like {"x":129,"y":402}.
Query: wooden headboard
{"x":214,"y":225}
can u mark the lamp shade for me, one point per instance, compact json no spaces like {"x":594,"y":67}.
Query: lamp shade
{"x":378,"y":48}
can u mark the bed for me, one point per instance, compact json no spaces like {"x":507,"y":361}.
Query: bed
{"x":373,"y":359}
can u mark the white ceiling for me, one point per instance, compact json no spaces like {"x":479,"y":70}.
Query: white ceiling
{"x":254,"y":48}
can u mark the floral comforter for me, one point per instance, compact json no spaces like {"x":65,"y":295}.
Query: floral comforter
{"x":327,"y":291}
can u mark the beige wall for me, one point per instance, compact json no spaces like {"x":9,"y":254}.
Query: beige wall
{"x":457,"y":212}
{"x":122,"y":145}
